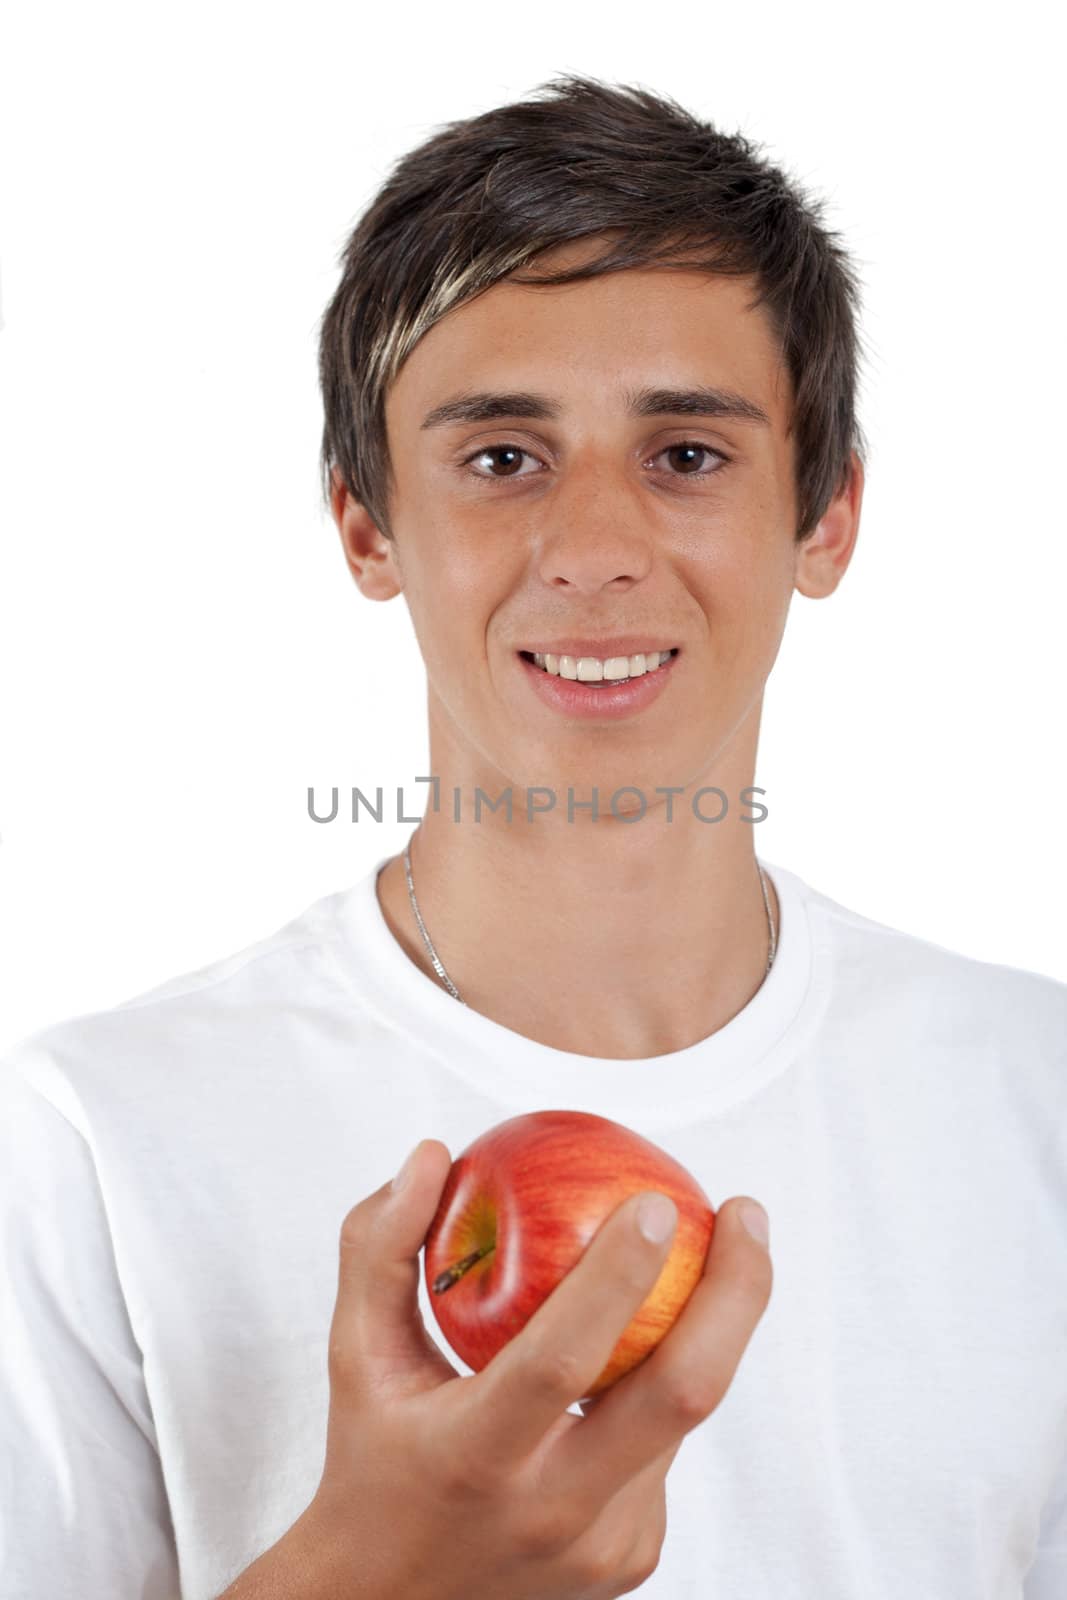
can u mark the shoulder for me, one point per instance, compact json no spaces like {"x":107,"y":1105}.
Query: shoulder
{"x":945,"y":993}
{"x":230,"y":1011}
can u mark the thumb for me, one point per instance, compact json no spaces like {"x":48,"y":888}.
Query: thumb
{"x":378,"y":1338}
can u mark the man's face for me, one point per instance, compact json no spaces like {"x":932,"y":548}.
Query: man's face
{"x":595,"y":521}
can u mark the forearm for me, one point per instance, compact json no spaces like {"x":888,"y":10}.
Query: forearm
{"x":300,"y":1566}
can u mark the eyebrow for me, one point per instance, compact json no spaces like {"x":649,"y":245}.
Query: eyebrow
{"x":702,"y":401}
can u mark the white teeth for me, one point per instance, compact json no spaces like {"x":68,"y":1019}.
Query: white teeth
{"x":591,"y":669}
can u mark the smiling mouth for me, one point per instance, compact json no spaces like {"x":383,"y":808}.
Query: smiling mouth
{"x":597,"y":683}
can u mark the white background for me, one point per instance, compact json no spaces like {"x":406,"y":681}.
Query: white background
{"x":182,"y":649}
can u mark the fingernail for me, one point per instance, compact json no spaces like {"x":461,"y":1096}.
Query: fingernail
{"x":756,"y":1221}
{"x":405,"y":1172}
{"x":655,"y":1216}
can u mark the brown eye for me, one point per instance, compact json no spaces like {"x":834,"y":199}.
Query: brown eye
{"x":510,"y":454}
{"x":687,"y":459}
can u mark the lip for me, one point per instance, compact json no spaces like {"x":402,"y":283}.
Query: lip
{"x":576,"y":699}
{"x":627,"y":644}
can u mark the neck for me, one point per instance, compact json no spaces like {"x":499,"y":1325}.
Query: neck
{"x":610,"y":939}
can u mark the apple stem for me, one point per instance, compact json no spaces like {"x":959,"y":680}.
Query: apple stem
{"x":446,"y":1279}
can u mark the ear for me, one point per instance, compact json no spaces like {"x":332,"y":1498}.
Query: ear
{"x":821,"y":558}
{"x":371,"y":557}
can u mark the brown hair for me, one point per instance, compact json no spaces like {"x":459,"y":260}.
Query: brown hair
{"x":485,"y":196}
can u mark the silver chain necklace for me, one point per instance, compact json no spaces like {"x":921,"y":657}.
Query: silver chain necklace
{"x":438,"y":965}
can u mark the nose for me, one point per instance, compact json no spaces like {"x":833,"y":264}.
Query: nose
{"x":594,"y":534}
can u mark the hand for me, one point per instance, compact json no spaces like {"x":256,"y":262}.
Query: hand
{"x":438,"y":1486}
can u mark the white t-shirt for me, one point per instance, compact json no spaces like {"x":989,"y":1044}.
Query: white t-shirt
{"x":174,"y":1172}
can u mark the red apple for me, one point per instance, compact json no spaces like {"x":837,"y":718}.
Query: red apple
{"x":518,"y":1209}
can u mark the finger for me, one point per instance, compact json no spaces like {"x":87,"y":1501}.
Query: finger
{"x":566,"y":1344}
{"x":378,"y":1335}
{"x":652,"y":1408}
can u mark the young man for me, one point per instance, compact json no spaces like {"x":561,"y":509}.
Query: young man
{"x":589,"y":384}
